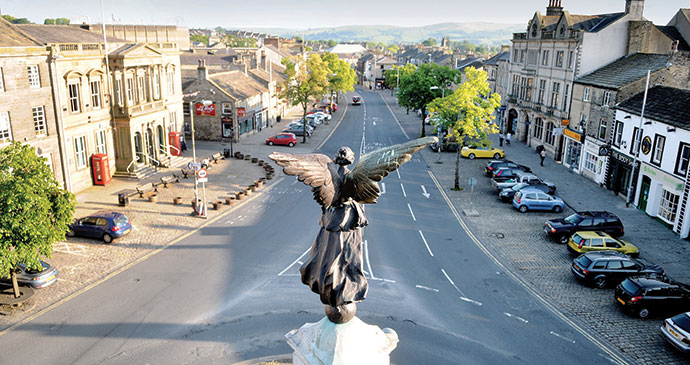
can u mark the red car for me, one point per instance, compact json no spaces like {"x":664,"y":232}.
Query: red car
{"x":287,"y":139}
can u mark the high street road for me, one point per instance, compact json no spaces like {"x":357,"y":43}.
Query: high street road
{"x":230,"y":291}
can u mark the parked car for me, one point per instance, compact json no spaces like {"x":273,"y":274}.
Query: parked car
{"x":481,"y":151}
{"x":507,"y":194}
{"x":106,"y":225}
{"x":561,"y":229}
{"x":652,"y":294}
{"x":447,"y":145}
{"x":532,"y":199}
{"x":507,"y":177}
{"x":36,"y":279}
{"x":325,"y":116}
{"x":587,"y":241}
{"x":356,"y":100}
{"x":607,"y":267}
{"x":311,"y":122}
{"x":285,"y":139}
{"x":494,"y":165}
{"x":298,"y":130}
{"x":676,"y":330}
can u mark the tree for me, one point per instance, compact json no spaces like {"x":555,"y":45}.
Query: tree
{"x":429,"y":42}
{"x":393,"y":48}
{"x":305,"y":80}
{"x":14,"y":20}
{"x":341,"y":76}
{"x":58,"y":21}
{"x":415,"y":89}
{"x":199,"y":38}
{"x":34,"y":210}
{"x":467,"y":113}
{"x":219,"y":30}
{"x":396,"y":72}
{"x":331,"y":43}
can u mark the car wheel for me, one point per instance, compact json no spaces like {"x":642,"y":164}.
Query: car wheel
{"x":107,"y":238}
{"x":471,"y":156}
{"x":71,"y":233}
{"x":291,"y":144}
{"x":643,"y":313}
{"x":563,"y":239}
{"x":270,"y":143}
{"x":600,"y":282}
{"x":557,"y":209}
{"x":497,"y":155}
{"x":523,"y":209}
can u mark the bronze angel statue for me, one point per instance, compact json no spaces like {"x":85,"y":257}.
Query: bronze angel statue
{"x":334,"y":268}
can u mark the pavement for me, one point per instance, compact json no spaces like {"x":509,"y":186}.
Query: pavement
{"x":518,"y":241}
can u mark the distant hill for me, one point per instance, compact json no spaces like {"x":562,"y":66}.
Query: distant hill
{"x":485,"y":33}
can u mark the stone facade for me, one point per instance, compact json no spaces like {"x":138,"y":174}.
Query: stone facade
{"x":144,"y":33}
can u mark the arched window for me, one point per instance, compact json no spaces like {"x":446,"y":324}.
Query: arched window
{"x":96,"y":88}
{"x":549,"y":134}
{"x":73,"y":85}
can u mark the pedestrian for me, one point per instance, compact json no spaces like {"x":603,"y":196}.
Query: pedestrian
{"x":508,"y":139}
{"x":542,"y":156}
{"x":500,"y":139}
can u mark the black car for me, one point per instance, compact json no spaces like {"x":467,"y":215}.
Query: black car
{"x":497,"y":164}
{"x":602,"y":268}
{"x":561,"y":229}
{"x":507,"y":194}
{"x":653,"y":293}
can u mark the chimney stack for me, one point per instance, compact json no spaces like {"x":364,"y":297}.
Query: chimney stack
{"x":554,"y":8}
{"x":505,"y":48}
{"x":202,"y":72}
{"x":634,"y":9}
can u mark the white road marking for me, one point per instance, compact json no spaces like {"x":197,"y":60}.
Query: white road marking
{"x":374,"y":123}
{"x":413,"y":218}
{"x":361,"y":146}
{"x":294,"y":262}
{"x":453,"y":284}
{"x":398,"y":172}
{"x":366,"y":256}
{"x":135,"y":227}
{"x":403,"y":190}
{"x":426,"y":244}
{"x":516,"y":317}
{"x":562,"y":337}
{"x":426,"y":195}
{"x":607,"y":358}
{"x":471,"y":301}
{"x":383,"y":188}
{"x":65,"y":247}
{"x":384,"y":280}
{"x":426,"y":288}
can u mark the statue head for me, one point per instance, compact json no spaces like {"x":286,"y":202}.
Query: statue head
{"x":344,"y":156}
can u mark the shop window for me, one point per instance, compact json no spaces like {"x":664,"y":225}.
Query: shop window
{"x":668,"y":207}
{"x":590,"y":162}
{"x":658,"y":150}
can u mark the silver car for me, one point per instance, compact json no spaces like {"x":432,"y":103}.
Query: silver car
{"x":676,"y":330}
{"x":36,"y":279}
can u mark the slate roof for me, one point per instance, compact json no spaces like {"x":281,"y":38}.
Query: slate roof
{"x":664,"y":104}
{"x":624,"y":70}
{"x":47,"y":34}
{"x":188,"y":58}
{"x":263,"y":75}
{"x":278,"y":51}
{"x":475,"y":62}
{"x":237,"y":84}
{"x":673,"y":33}
{"x":501,"y":56}
{"x":11,"y":36}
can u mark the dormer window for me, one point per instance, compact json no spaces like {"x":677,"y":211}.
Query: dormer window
{"x":534,"y":30}
{"x":561,"y":31}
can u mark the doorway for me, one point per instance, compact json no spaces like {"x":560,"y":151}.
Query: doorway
{"x":644,"y":193}
{"x":138,"y":147}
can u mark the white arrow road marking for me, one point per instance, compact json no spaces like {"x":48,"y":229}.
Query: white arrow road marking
{"x":427,"y":195}
{"x":366,"y":255}
{"x":452,"y":283}
{"x":403,"y":189}
{"x":562,"y":337}
{"x":471,"y":301}
{"x":413,"y":218}
{"x":516,"y":317}
{"x":383,"y":188}
{"x":426,"y":244}
{"x":426,"y":288}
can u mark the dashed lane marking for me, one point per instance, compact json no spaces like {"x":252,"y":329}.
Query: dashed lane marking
{"x":562,"y":337}
{"x":427,"y":288}
{"x":516,"y":317}
{"x":426,"y":244}
{"x":468,"y":300}
{"x":411,"y":212}
{"x":403,"y":190}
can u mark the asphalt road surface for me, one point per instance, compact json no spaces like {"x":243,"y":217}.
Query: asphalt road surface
{"x":231,"y":291}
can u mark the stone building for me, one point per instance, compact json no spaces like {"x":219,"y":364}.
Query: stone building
{"x":27,"y":112}
{"x":143,"y":33}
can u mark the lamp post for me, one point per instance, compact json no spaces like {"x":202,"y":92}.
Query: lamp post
{"x":438,"y":126}
{"x":639,"y":141}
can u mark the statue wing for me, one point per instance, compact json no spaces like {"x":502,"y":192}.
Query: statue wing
{"x":360,"y":183}
{"x":311,"y":169}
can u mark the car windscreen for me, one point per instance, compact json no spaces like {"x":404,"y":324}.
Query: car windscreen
{"x":577,"y":239}
{"x":583,"y":261}
{"x":519,"y":186}
{"x":630,"y":287}
{"x":683,"y":321}
{"x":574,"y":219}
{"x":120,"y":220}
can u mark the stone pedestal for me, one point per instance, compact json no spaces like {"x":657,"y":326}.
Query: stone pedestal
{"x":351,"y":343}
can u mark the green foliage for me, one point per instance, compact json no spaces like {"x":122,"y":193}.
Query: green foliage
{"x":331,"y":43}
{"x":430,"y":42}
{"x":14,"y":20}
{"x":58,"y":21}
{"x":391,"y":75}
{"x":34,"y":210}
{"x":341,"y":76}
{"x":305,"y":80}
{"x":219,"y":30}
{"x":393,"y":48}
{"x":199,"y":38}
{"x":468,"y":112}
{"x":235,"y":41}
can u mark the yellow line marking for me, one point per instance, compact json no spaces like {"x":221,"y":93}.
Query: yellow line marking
{"x":521,"y":282}
{"x":135,"y":262}
{"x":394,"y":117}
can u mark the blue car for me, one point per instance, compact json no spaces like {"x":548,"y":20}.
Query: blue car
{"x":105,"y":225}
{"x":532,"y":199}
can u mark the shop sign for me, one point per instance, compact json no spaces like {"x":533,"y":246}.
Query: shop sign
{"x":646,"y":145}
{"x":226,"y":120}
{"x":604,"y":150}
{"x":241,"y":112}
{"x":565,"y":122}
{"x":662,"y":176}
{"x":205,"y":110}
{"x":627,"y":160}
{"x":572,"y":134}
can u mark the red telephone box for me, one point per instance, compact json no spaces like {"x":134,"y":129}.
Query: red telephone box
{"x":174,"y":142}
{"x":101,"y":169}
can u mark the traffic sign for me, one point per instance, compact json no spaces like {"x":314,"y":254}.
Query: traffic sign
{"x":194,"y":166}
{"x":201,"y":173}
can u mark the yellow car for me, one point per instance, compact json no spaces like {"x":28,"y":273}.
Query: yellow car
{"x":482,"y":152}
{"x":587,"y":241}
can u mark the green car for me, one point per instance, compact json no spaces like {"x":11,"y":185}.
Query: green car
{"x":588,"y":241}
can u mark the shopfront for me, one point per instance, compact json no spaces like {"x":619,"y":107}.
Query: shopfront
{"x":260,"y":119}
{"x":660,"y":194}
{"x":620,"y":172}
{"x":573,"y":149}
{"x":594,"y":160}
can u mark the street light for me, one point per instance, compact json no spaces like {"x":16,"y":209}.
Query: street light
{"x":639,"y":142}
{"x":438,"y":126}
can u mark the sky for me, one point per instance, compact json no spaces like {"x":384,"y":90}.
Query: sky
{"x":301,"y":14}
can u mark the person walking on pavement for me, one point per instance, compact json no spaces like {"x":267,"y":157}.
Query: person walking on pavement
{"x":508,"y":139}
{"x":542,"y":156}
{"x":500,"y":139}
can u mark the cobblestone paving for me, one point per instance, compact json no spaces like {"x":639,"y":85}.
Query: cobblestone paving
{"x":519,"y":242}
